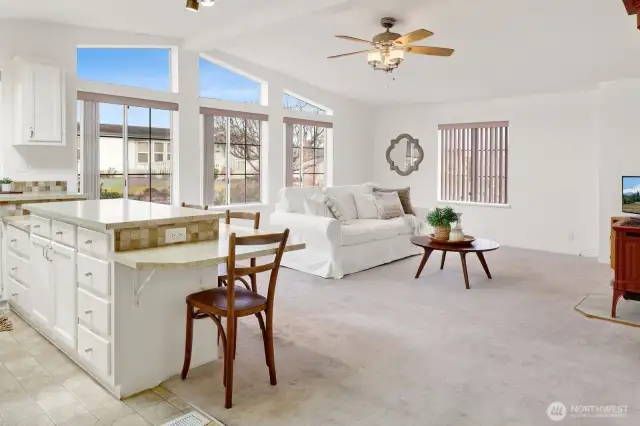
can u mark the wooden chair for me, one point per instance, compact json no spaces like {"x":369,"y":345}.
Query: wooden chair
{"x":233,"y":302}
{"x":222,"y":270}
{"x":194,"y":206}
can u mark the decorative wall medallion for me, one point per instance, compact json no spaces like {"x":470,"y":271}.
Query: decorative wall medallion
{"x":404,"y":155}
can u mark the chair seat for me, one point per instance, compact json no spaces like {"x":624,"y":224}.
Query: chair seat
{"x":215,"y":300}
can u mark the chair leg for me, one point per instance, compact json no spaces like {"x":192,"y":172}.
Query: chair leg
{"x":271,"y":362}
{"x":228,"y":363}
{"x":188,"y":342}
{"x":264,"y":336}
{"x":235,"y":339}
{"x":254,"y":282}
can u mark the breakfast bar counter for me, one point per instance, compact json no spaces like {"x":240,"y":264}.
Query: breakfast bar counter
{"x":106,"y":282}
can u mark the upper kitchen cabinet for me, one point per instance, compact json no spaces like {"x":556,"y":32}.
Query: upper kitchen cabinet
{"x":39,"y":95}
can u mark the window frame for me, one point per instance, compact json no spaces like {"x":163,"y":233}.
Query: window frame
{"x":289,"y":130}
{"x":209,"y":119}
{"x":473,"y":163}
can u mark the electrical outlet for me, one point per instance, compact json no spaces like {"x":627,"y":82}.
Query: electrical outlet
{"x":175,"y":235}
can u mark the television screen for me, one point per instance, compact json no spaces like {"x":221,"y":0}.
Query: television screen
{"x":631,"y":194}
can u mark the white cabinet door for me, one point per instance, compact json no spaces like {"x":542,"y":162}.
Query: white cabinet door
{"x":47,"y":104}
{"x":65,"y":290}
{"x":41,"y":291}
{"x":39,"y":103}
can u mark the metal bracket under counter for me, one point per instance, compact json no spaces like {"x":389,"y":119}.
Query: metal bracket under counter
{"x":137,"y":287}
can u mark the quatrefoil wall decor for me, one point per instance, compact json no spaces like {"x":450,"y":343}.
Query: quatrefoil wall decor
{"x":404,"y":155}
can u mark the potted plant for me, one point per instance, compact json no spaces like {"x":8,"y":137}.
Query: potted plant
{"x":7,"y":185}
{"x":441,"y":220}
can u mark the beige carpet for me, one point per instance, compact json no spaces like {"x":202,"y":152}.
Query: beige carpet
{"x":598,"y":306}
{"x":380,"y":348}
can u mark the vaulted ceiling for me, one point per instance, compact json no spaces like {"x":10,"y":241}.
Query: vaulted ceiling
{"x":503,"y":47}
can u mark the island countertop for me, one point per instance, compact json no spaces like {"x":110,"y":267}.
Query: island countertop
{"x":40,"y":196}
{"x":105,"y":215}
{"x":197,"y":255}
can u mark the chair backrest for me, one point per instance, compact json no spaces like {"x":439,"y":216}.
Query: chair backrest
{"x":234,"y":270}
{"x":194,"y":206}
{"x":255,"y":217}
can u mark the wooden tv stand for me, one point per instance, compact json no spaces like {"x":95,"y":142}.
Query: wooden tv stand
{"x":625,"y":258}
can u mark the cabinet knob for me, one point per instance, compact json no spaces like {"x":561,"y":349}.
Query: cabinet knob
{"x":15,"y":240}
{"x":88,"y":350}
{"x":88,"y":274}
{"x":59,"y":233}
{"x":14,"y":269}
{"x":36,"y":226}
{"x":14,"y":295}
{"x":89,"y":311}
{"x":32,"y":131}
{"x":88,"y":242}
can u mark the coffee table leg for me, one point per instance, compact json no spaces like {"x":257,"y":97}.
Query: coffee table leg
{"x":463,"y":258}
{"x":427,"y":253}
{"x":444,"y":256}
{"x":484,"y":263}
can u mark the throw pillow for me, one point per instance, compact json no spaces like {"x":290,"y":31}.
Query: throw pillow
{"x":315,"y":206}
{"x":388,"y":205}
{"x":337,"y":208}
{"x":366,"y":206}
{"x":344,"y":194}
{"x":403,"y":193}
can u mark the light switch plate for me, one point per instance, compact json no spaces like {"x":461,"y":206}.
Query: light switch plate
{"x":175,"y":235}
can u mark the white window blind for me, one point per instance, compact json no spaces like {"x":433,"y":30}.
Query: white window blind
{"x":474,"y":162}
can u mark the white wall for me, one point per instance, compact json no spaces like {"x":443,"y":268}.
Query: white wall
{"x":552,"y":167}
{"x":351,"y":156}
{"x":619,"y":150}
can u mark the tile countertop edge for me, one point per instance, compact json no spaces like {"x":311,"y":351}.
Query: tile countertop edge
{"x":128,"y":259}
{"x":40,"y":209}
{"x":38,"y":196}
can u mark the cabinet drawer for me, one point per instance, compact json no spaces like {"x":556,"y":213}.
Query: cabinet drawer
{"x":93,"y":274}
{"x":93,"y":243}
{"x":41,"y":226}
{"x":63,"y":233}
{"x":95,"y":350}
{"x":18,"y":241}
{"x":19,"y":295}
{"x":94,"y":312}
{"x":18,"y":268}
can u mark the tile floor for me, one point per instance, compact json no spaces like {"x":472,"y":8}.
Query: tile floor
{"x":40,"y":386}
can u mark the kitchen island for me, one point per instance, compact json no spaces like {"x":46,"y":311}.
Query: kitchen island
{"x":106,"y":282}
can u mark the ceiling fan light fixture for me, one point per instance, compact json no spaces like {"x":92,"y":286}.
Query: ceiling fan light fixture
{"x":207,"y":3}
{"x":374,"y":58}
{"x":193,"y":5}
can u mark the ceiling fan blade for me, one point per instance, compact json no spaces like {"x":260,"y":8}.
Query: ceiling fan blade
{"x":344,"y":37}
{"x":413,"y":36}
{"x":427,"y":50}
{"x":349,"y":54}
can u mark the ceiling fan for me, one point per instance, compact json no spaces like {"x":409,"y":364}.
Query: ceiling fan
{"x":388,"y":48}
{"x":194,"y":5}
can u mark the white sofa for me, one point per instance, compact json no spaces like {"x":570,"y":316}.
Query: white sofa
{"x":335,"y":250}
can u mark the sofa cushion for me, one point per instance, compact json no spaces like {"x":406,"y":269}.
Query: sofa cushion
{"x":366,"y":206}
{"x":345,"y":195}
{"x":403,"y":193}
{"x":388,"y":205}
{"x":291,"y":200}
{"x":362,"y":231}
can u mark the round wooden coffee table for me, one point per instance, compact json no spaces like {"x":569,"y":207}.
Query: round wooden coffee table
{"x":479,"y":246}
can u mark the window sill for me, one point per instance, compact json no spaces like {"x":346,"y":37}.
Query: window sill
{"x":467,"y":203}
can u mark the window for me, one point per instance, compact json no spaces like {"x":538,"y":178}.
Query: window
{"x":473,"y":162}
{"x":143,"y":152}
{"x":121,"y":143}
{"x":295,"y":103}
{"x":148,"y":68}
{"x":217,"y":82}
{"x":232,"y":157}
{"x":306,"y":143}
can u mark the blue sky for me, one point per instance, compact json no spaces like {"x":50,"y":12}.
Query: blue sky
{"x":150,"y":68}
{"x":631,"y":182}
